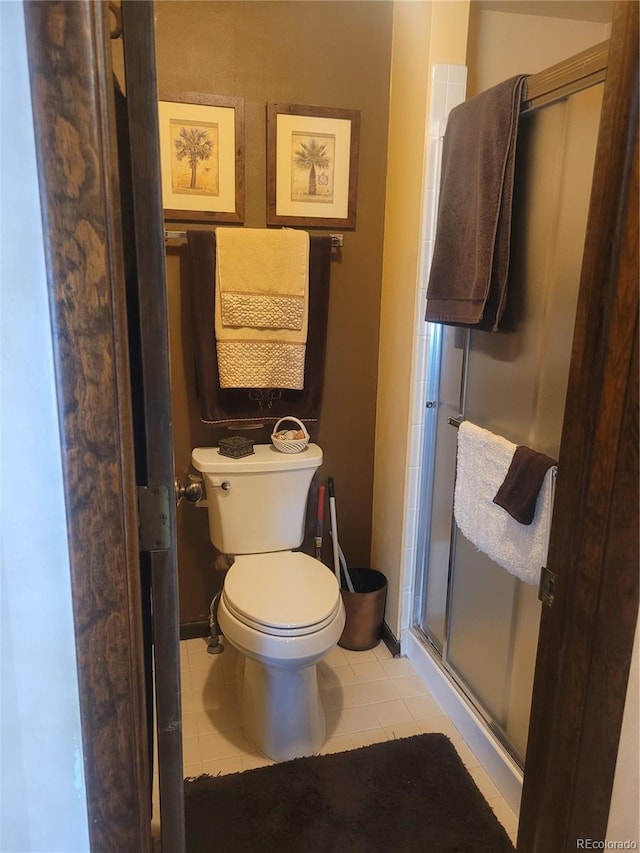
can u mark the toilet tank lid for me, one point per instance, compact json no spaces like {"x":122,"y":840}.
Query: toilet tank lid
{"x":265,"y":457}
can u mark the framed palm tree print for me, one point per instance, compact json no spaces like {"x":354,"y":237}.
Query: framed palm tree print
{"x":202,"y":157}
{"x":312,"y":166}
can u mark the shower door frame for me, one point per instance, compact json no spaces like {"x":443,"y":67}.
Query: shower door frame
{"x":576,"y":74}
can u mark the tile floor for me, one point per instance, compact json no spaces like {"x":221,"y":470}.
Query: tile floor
{"x":368,"y":696}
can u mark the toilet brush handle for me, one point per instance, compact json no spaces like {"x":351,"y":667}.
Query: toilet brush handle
{"x":320,"y":521}
{"x":320,"y":517}
{"x":334,"y":529}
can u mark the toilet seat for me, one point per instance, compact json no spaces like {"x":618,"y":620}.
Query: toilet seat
{"x":282,"y":593}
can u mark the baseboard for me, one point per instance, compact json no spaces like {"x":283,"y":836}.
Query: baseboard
{"x":502,"y":769}
{"x":193,"y":630}
{"x":390,"y":641}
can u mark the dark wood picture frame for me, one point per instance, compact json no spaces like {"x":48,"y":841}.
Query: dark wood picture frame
{"x":228,"y":205}
{"x":288,"y":201}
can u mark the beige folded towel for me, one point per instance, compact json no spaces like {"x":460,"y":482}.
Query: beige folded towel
{"x":262,"y":277}
{"x":261,"y":313}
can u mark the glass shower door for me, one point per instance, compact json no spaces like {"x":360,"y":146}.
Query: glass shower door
{"x":482,"y":620}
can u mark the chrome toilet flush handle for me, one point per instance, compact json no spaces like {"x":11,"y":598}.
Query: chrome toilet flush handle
{"x":225,"y":485}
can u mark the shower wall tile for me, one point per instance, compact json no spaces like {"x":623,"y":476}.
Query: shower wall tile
{"x":432,"y":168}
{"x":455,"y":95}
{"x":420,"y":352}
{"x":413,"y":488}
{"x":448,"y":87}
{"x":438,"y":107}
{"x":411,"y":525}
{"x":440,"y":71}
{"x":407,"y":592}
{"x":418,"y":413}
{"x":415,"y":450}
{"x":458,"y":74}
{"x":430,"y":208}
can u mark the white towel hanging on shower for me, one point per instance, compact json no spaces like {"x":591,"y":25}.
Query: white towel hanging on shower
{"x":482,"y":463}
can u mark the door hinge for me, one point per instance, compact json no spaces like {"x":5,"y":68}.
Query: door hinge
{"x":546,"y":589}
{"x":153,"y":518}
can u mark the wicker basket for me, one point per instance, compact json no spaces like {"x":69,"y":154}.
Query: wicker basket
{"x":289,"y":445}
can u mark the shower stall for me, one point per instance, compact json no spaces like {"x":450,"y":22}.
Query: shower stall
{"x":479,"y":621}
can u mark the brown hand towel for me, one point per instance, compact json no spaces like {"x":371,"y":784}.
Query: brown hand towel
{"x":468,"y":278}
{"x":229,"y":406}
{"x":519,"y":491}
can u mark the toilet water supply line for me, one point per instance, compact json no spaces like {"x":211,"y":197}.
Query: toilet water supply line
{"x":214,"y":646}
{"x":337,"y":550}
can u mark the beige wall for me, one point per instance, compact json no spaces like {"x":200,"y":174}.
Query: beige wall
{"x":423,"y":33}
{"x":624,"y":821}
{"x":334,"y":54}
{"x":623,"y":815}
{"x":502,"y":44}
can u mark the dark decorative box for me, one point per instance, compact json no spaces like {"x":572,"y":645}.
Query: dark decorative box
{"x":236,"y":446}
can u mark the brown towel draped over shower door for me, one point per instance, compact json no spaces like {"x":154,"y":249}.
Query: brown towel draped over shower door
{"x":468,"y":278}
{"x":227,"y":406}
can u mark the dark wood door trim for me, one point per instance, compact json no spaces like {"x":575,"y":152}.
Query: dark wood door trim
{"x":586,"y":638}
{"x":72,"y":94}
{"x":156,"y":445}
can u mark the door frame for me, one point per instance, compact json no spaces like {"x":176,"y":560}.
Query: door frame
{"x":68,"y":50}
{"x":75,"y":136}
{"x":153,"y":428}
{"x":586,"y":637}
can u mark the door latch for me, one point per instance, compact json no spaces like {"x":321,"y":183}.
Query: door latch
{"x":546,"y":589}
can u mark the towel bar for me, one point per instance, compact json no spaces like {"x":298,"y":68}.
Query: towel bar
{"x":454,"y":422}
{"x":337,"y":240}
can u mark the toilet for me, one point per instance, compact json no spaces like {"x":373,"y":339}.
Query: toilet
{"x":280,"y":608}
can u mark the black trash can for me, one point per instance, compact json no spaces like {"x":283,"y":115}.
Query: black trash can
{"x":364,"y":609}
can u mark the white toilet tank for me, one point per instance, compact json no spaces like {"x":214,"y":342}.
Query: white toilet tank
{"x":257,"y":503}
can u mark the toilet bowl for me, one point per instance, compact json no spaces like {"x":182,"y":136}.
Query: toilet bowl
{"x":281,"y":609}
{"x":283,"y":612}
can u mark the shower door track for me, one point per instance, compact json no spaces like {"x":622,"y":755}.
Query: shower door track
{"x":462,"y":687}
{"x":567,"y":78}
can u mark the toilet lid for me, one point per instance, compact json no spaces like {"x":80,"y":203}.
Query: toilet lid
{"x":283,"y":592}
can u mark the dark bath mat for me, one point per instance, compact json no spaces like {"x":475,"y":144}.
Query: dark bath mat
{"x":412,"y":795}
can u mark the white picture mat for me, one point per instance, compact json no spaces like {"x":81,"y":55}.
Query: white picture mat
{"x":225,"y":202}
{"x":341,"y":128}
